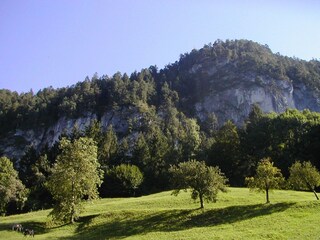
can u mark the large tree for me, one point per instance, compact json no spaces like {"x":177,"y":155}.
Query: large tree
{"x":75,"y":175}
{"x":205,"y":182}
{"x":267,"y":177}
{"x":304,"y":176}
{"x":11,"y":188}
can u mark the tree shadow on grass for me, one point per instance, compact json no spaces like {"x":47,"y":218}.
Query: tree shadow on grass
{"x":86,"y":221}
{"x":124,"y":224}
{"x":38,"y":227}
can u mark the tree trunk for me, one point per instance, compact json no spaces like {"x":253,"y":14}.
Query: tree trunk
{"x":72,"y":205}
{"x":314,"y":192}
{"x":72,"y":212}
{"x":267,"y":195}
{"x":72,"y":218}
{"x":312,"y":189}
{"x":201,"y":201}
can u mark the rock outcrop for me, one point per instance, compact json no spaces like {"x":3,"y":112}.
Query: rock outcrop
{"x":272,"y":95}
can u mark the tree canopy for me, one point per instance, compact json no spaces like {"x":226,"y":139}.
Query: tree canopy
{"x":204,"y":181}
{"x":11,"y":188}
{"x":75,"y":175}
{"x":304,"y":176}
{"x":267,"y":177}
{"x":128,"y":177}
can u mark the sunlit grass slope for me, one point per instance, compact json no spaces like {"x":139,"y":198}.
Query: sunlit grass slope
{"x":238,"y":214}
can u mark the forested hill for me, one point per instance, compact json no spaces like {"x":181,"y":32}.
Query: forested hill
{"x":154,"y":118}
{"x":224,"y":78}
{"x":196,"y":94}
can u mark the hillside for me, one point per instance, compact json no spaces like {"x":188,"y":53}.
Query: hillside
{"x":225,"y":104}
{"x":223,"y":78}
{"x":238,"y":214}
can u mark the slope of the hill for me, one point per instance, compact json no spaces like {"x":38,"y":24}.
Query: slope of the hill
{"x":238,"y":214}
{"x":224,"y":78}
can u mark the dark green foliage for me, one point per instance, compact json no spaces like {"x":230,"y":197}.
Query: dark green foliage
{"x":34,"y":169}
{"x":107,"y":147}
{"x":94,"y":130}
{"x":285,"y":137}
{"x":225,"y":152}
{"x":256,"y":139}
{"x":156,"y":166}
{"x":127,"y":178}
{"x":39,"y":196}
{"x":26,"y":171}
{"x":210,"y":125}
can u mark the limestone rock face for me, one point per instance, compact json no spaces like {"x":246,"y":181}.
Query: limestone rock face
{"x":17,"y":142}
{"x":272,"y":95}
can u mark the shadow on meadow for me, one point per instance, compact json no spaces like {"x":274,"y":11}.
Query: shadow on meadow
{"x":38,"y":227}
{"x":124,"y":224}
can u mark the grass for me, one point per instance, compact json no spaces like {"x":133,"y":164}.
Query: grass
{"x":238,"y":214}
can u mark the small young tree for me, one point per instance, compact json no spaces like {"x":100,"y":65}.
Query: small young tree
{"x":304,"y":177}
{"x":11,"y":188}
{"x":205,"y":182}
{"x":267,"y":177}
{"x":129,"y":176}
{"x":75,"y":175}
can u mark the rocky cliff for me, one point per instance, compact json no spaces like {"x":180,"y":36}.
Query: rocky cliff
{"x":272,"y":95}
{"x":16,"y":142}
{"x":228,"y":77}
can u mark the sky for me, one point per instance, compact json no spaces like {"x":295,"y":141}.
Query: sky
{"x":59,"y":42}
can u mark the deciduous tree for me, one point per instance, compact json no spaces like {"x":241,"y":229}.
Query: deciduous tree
{"x":11,"y":188}
{"x":304,"y":176}
{"x":205,"y":182}
{"x":267,"y":177}
{"x":75,"y":175}
{"x":129,"y":176}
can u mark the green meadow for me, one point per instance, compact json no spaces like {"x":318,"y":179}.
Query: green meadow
{"x":238,"y":214}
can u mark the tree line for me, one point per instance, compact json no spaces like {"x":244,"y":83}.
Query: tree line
{"x":141,"y":162}
{"x":76,"y":176}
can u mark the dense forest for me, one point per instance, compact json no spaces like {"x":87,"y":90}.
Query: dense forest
{"x":163,"y":129}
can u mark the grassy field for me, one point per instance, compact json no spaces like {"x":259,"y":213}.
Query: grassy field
{"x":238,"y":214}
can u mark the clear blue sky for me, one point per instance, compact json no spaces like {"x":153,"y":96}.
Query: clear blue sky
{"x":60,"y":42}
